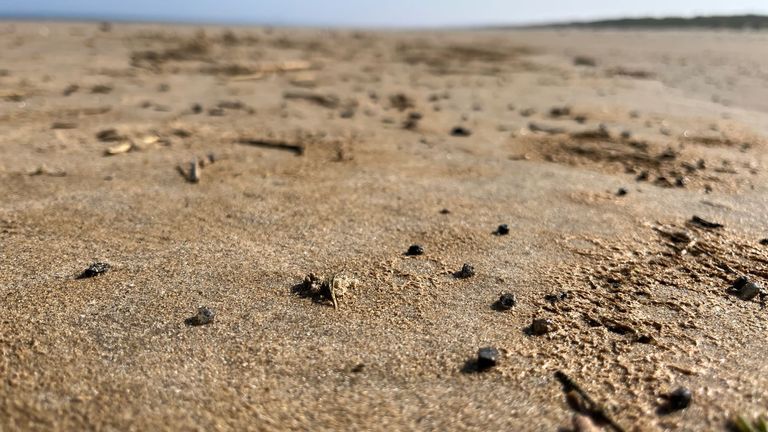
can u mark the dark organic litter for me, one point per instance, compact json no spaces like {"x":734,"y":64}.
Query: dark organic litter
{"x":415,"y":250}
{"x":705,"y":223}
{"x":678,"y":400}
{"x":745,"y":289}
{"x":506,"y":301}
{"x":460,"y":131}
{"x":204,"y":316}
{"x":95,"y":269}
{"x":487,"y":358}
{"x":467,"y":271}
{"x":541,"y":326}
{"x":503,"y":229}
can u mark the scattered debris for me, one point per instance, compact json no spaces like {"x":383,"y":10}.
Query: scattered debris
{"x":746,"y":290}
{"x":502,"y":229}
{"x":631,"y":73}
{"x":401,"y":101}
{"x":275,"y":145}
{"x":487,"y":358}
{"x":562,"y":111}
{"x":554,"y":298}
{"x":415,"y":250}
{"x":412,"y":122}
{"x":677,"y":400}
{"x":64,"y":125}
{"x":325,"y":289}
{"x":101,"y":89}
{"x":541,"y":326}
{"x":580,"y":401}
{"x":327,"y":101}
{"x":95,"y":269}
{"x":622,"y":192}
{"x":205,"y":315}
{"x":506,"y":301}
{"x":705,"y":223}
{"x":467,"y":271}
{"x":109,"y":135}
{"x":460,"y":131}
{"x":584,"y":61}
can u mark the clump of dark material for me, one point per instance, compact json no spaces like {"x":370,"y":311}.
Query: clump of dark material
{"x":197,"y":108}
{"x":554,"y":298}
{"x":415,"y":250}
{"x":401,"y":101}
{"x":205,"y":315}
{"x":505,"y":302}
{"x":487,"y":358}
{"x":460,"y":131}
{"x":109,"y":135}
{"x":705,"y":223}
{"x":445,"y":211}
{"x":764,"y":242}
{"x":622,"y":192}
{"x":745,"y":289}
{"x":560,"y":111}
{"x":677,"y":400}
{"x":412,"y":122}
{"x":467,"y":271}
{"x":95,"y":269}
{"x":541,"y":326}
{"x":503,"y":229}
{"x":584,"y":61}
{"x":101,"y":89}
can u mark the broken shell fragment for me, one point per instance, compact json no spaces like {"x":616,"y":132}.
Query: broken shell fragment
{"x":118,"y":149}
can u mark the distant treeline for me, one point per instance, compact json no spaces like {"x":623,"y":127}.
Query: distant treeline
{"x":716,"y":22}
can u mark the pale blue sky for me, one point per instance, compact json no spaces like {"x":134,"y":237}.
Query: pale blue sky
{"x":392,"y":13}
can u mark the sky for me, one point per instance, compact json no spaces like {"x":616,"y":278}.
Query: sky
{"x":373,"y":13}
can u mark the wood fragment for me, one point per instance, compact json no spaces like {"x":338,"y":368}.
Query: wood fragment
{"x":275,"y":145}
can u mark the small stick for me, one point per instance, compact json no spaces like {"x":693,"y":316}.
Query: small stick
{"x":594,"y":409}
{"x":333,"y":292}
{"x":194,"y":171}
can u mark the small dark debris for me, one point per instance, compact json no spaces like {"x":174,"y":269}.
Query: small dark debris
{"x":101,"y":89}
{"x":70,"y":89}
{"x":643,"y":176}
{"x":487,"y":358}
{"x":503,"y":229}
{"x":415,"y":250}
{"x":622,"y":192}
{"x":401,"y":101}
{"x":109,"y":135}
{"x":541,"y":326}
{"x":196,"y":108}
{"x":764,"y":242}
{"x":705,"y":223}
{"x":528,"y":112}
{"x":645,"y":339}
{"x":506,"y":302}
{"x":313,"y":287}
{"x":216,"y":112}
{"x":204,"y":316}
{"x":358,"y":368}
{"x":182,"y":133}
{"x":64,"y":125}
{"x":347,"y":113}
{"x":681,"y":182}
{"x":95,"y":269}
{"x":745,"y":289}
{"x":552,"y":130}
{"x":163,"y":87}
{"x":677,"y":400}
{"x":580,"y":401}
{"x":298,"y":150}
{"x":580,"y":119}
{"x":412,"y":122}
{"x":560,"y":111}
{"x":554,"y":298}
{"x":467,"y":271}
{"x":460,"y":131}
{"x":584,"y":61}
{"x":445,"y":211}
{"x":105,"y":26}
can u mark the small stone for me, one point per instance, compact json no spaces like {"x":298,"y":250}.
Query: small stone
{"x":554,"y":298}
{"x":197,"y":108}
{"x":109,"y":135}
{"x":445,"y":211}
{"x":487,"y":358}
{"x":679,"y":399}
{"x":764,"y":242}
{"x":415,"y":250}
{"x":560,"y":111}
{"x":467,"y":271}
{"x":95,"y":269}
{"x":460,"y":131}
{"x":503,"y":229}
{"x":705,"y":223}
{"x":506,"y":301}
{"x":626,"y":135}
{"x":745,"y":289}
{"x":541,"y":326}
{"x":205,"y":315}
{"x":622,"y":191}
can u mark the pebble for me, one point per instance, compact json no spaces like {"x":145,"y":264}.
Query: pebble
{"x":460,"y":131}
{"x":554,"y":298}
{"x":95,"y":269}
{"x":487,"y":358}
{"x":541,"y":326}
{"x":507,"y":301}
{"x":679,"y":399}
{"x":415,"y":250}
{"x":466,"y":271}
{"x":204,"y":316}
{"x":622,"y":192}
{"x":503,"y":229}
{"x":705,"y":223}
{"x":745,"y":289}
{"x":764,"y":242}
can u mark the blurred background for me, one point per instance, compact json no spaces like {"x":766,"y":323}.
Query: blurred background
{"x":370,"y":13}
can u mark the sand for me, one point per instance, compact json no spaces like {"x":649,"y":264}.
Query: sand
{"x":319,"y":165}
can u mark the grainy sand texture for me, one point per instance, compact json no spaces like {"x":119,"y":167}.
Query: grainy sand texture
{"x":217,"y":168}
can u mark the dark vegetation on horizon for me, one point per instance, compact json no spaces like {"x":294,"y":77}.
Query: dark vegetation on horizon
{"x":712,"y":22}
